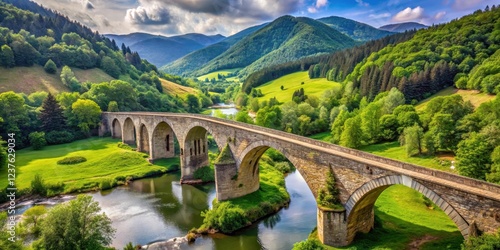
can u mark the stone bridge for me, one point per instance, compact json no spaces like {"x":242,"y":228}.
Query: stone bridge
{"x":361,"y":177}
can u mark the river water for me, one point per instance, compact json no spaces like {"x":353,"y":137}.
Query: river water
{"x":157,"y":209}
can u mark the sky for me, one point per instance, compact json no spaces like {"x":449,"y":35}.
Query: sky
{"x":226,"y":17}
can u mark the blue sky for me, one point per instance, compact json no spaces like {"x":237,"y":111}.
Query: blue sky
{"x":226,"y":17}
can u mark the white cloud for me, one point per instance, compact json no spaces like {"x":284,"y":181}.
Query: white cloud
{"x":378,"y":16}
{"x":312,"y":10}
{"x":362,"y":3}
{"x":321,"y":3}
{"x":153,"y":15}
{"x":439,"y":15}
{"x":409,"y":14}
{"x":393,"y":2}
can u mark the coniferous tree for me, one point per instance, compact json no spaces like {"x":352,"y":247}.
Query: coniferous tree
{"x":51,"y":115}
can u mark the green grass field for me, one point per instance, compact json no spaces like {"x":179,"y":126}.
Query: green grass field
{"x":474,"y":96}
{"x":31,"y":79}
{"x":403,"y":221}
{"x":105,"y":160}
{"x":224,"y":72}
{"x":291,"y":83}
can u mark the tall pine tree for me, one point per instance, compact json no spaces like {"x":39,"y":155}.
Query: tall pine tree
{"x":51,"y":115}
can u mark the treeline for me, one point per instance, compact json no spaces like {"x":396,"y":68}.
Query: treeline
{"x":27,"y":38}
{"x":439,"y":56}
{"x":335,"y":66}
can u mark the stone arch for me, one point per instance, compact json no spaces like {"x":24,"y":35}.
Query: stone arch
{"x":116,"y":129}
{"x":144,"y":139}
{"x":248,"y":163}
{"x":129,"y":132}
{"x":163,"y":141}
{"x":195,"y":145}
{"x":359,"y":206}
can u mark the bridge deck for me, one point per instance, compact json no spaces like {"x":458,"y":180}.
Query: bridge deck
{"x":473,"y":186}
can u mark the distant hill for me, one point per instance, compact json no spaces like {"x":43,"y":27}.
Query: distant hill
{"x":353,"y":29}
{"x":402,"y":27}
{"x":285,"y":39}
{"x":197,"y":59}
{"x":161,"y":50}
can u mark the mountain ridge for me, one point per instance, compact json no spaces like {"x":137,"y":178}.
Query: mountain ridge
{"x":402,"y":27}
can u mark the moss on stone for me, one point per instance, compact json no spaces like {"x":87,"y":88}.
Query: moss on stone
{"x":225,"y":156}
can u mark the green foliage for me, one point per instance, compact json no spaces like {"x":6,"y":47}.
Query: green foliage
{"x":309,"y":244}
{"x":32,"y":218}
{"x":58,"y":137}
{"x":269,"y":117}
{"x":113,"y":106}
{"x":328,"y":196}
{"x":51,"y":116}
{"x":38,"y":185}
{"x":192,"y":103}
{"x":7,"y":56}
{"x":225,"y":217}
{"x":107,"y":184}
{"x":225,"y":156}
{"x":242,"y":116}
{"x":37,"y":140}
{"x":284,"y":167}
{"x":14,"y":113}
{"x":3,"y":153}
{"x":352,"y":133}
{"x":68,"y":78}
{"x":206,"y":174}
{"x":486,"y":241}
{"x":109,"y":66}
{"x":87,"y":114}
{"x":485,"y":76}
{"x":129,"y":246}
{"x":473,"y":156}
{"x":6,"y":240}
{"x":124,"y":146}
{"x":412,"y":140}
{"x":71,"y":160}
{"x":50,"y":67}
{"x":77,"y":224}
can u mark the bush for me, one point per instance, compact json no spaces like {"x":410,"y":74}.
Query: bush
{"x":58,"y":137}
{"x":38,"y":186}
{"x":107,"y":184}
{"x":54,"y":188}
{"x":308,"y":244}
{"x":483,"y":242}
{"x":191,"y":237}
{"x":284,"y":167}
{"x":206,"y":174}
{"x":72,"y":160}
{"x":50,"y":67}
{"x":225,"y":217}
{"x":37,"y":140}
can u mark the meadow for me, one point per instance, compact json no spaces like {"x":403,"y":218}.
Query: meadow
{"x":105,"y":161}
{"x":293,"y":82}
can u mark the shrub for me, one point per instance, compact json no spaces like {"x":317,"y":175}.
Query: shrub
{"x":58,"y":137}
{"x":50,"y":67}
{"x":72,"y":160}
{"x":225,"y":217}
{"x":284,"y":167}
{"x":37,"y":140}
{"x":485,"y":241}
{"x":309,"y":244}
{"x":38,"y":186}
{"x":191,"y":237}
{"x":54,"y":188}
{"x":106,"y":184}
{"x":205,"y":174}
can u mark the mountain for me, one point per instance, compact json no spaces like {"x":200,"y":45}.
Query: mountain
{"x":353,"y":29}
{"x":161,"y":50}
{"x":402,"y":27}
{"x":285,"y":39}
{"x":197,"y":59}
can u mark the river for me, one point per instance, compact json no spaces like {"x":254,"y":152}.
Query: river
{"x":157,"y":209}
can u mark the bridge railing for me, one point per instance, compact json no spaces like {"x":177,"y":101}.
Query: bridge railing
{"x":403,"y":165}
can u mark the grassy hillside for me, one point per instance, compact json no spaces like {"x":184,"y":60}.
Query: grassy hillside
{"x":474,"y":96}
{"x":224,"y":72}
{"x":291,"y":83}
{"x":105,"y":160}
{"x":175,"y":89}
{"x":31,"y":79}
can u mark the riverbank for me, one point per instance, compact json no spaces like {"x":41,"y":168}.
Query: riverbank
{"x":232,"y":215}
{"x":106,"y":165}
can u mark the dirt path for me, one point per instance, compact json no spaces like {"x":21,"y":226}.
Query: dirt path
{"x":416,"y":243}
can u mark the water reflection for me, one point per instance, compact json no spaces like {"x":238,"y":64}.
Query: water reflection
{"x":160,"y":208}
